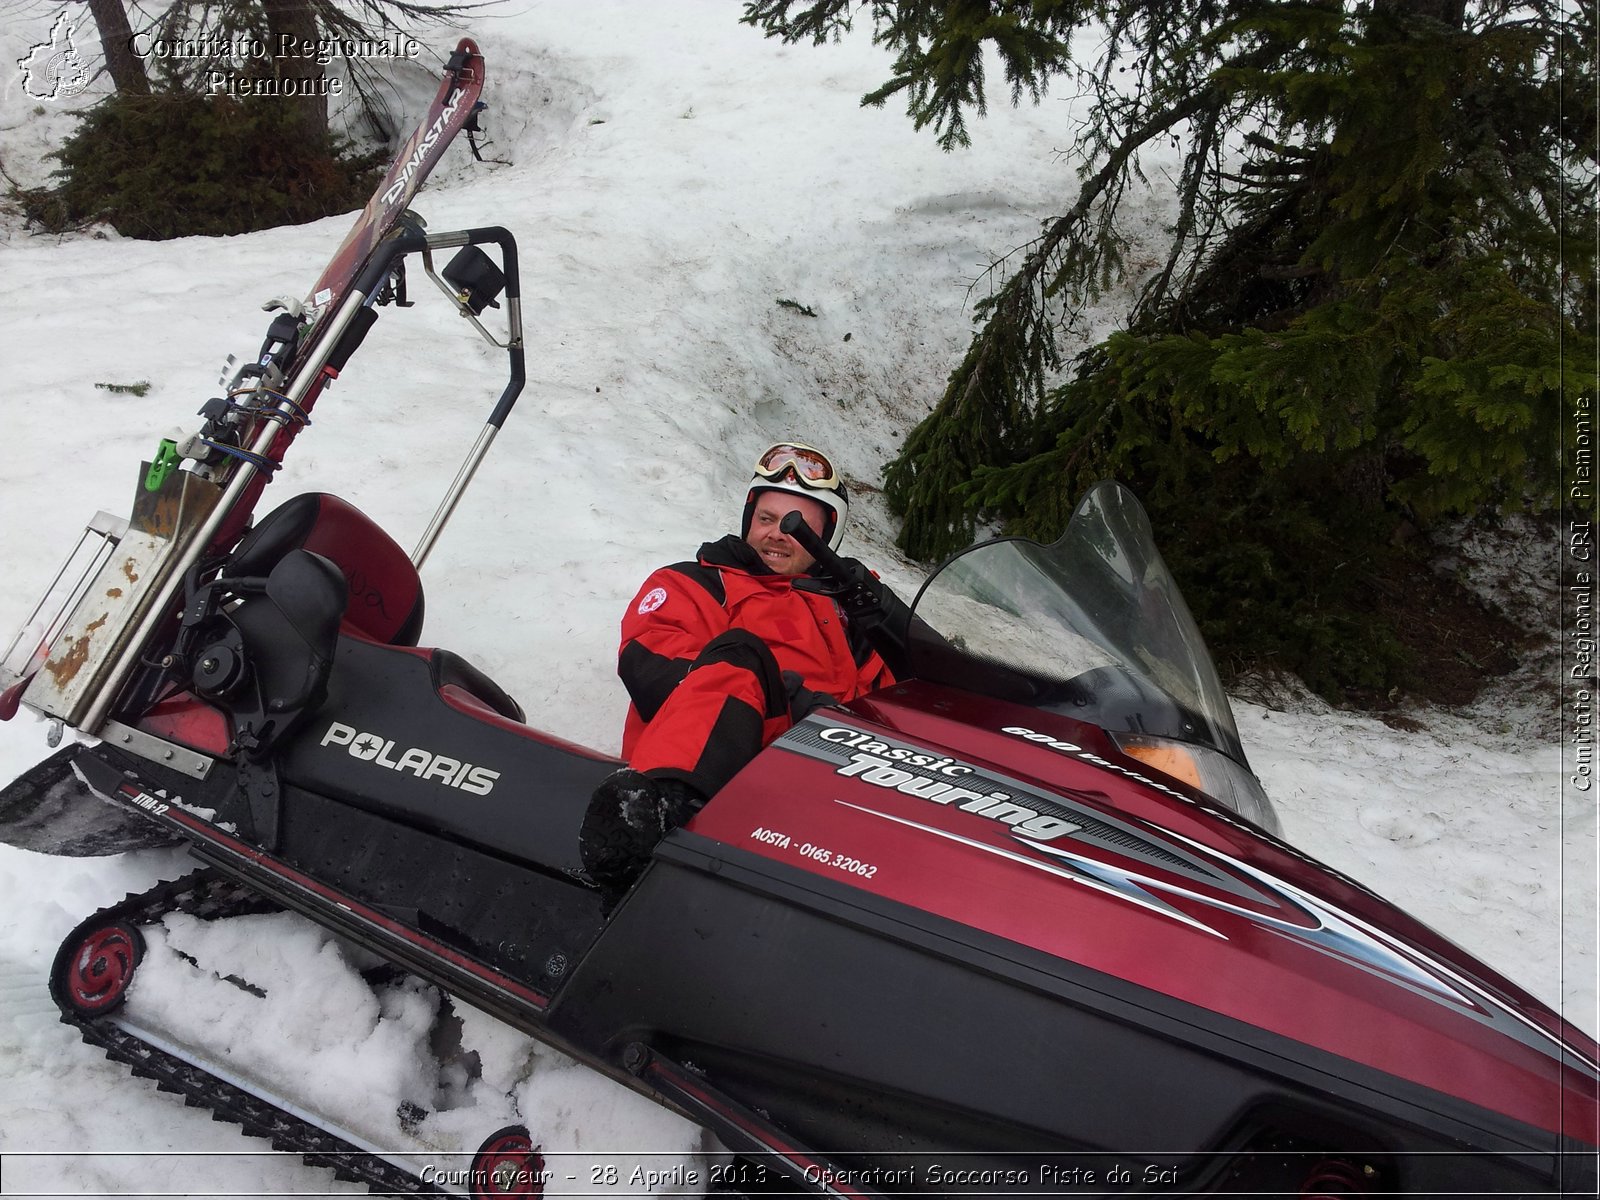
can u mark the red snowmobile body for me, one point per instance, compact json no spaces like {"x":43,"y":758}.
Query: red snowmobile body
{"x":943,"y":940}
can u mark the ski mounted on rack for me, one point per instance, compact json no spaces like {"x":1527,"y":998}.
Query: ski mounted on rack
{"x":455,"y":108}
{"x":81,"y":648}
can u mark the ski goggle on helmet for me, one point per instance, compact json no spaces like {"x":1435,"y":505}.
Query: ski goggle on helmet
{"x":804,"y":471}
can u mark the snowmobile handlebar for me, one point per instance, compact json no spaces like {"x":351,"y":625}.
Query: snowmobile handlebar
{"x":834,"y":568}
{"x":414,"y":240}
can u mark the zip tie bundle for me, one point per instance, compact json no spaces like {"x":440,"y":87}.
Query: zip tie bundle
{"x":296,"y":415}
{"x":260,"y":461}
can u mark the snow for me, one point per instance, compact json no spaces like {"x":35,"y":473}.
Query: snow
{"x":670,"y":176}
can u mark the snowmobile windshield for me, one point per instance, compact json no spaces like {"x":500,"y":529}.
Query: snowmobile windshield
{"x":1092,"y":627}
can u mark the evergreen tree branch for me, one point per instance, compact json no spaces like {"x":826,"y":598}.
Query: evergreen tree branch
{"x":939,"y":48}
{"x":1198,"y":167}
{"x":1003,"y":377}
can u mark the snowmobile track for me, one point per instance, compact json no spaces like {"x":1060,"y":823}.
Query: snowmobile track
{"x":207,"y":894}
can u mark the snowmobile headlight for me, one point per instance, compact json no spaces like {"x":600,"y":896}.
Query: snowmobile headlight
{"x":1206,"y":770}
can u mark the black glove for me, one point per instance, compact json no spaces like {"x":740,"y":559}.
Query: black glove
{"x":860,"y":593}
{"x":871,"y":607}
{"x":802,"y":700}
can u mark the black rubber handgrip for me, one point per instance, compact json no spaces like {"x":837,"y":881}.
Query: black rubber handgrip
{"x":832,"y":566}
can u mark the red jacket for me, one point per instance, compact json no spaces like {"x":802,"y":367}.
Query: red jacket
{"x":682,"y":607}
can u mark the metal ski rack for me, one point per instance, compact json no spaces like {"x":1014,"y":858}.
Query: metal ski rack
{"x":102,"y":626}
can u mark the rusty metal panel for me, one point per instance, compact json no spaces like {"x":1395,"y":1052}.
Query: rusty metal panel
{"x":83,"y":655}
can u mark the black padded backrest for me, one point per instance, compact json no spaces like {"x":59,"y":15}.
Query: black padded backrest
{"x":290,"y":633}
{"x":385,"y":594}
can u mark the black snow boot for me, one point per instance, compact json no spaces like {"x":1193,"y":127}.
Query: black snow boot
{"x":628,"y":814}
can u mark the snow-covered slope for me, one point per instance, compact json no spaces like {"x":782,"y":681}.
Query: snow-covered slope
{"x":670,"y":177}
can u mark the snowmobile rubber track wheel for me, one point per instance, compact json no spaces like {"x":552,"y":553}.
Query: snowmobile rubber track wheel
{"x":208,"y":894}
{"x":91,"y":972}
{"x":507,"y":1164}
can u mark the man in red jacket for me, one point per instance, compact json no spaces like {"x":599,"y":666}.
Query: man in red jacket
{"x":722,"y":654}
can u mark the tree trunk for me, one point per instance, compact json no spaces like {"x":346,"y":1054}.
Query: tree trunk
{"x":116,"y":39}
{"x":292,"y":23}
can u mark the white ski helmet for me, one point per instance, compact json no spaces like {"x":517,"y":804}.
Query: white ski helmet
{"x":804,"y":471}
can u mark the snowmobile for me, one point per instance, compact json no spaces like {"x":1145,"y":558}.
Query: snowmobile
{"x":1021,"y":922}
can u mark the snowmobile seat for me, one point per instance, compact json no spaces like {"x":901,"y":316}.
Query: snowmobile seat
{"x":385,"y":599}
{"x":385,"y":594}
{"x":408,"y":734}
